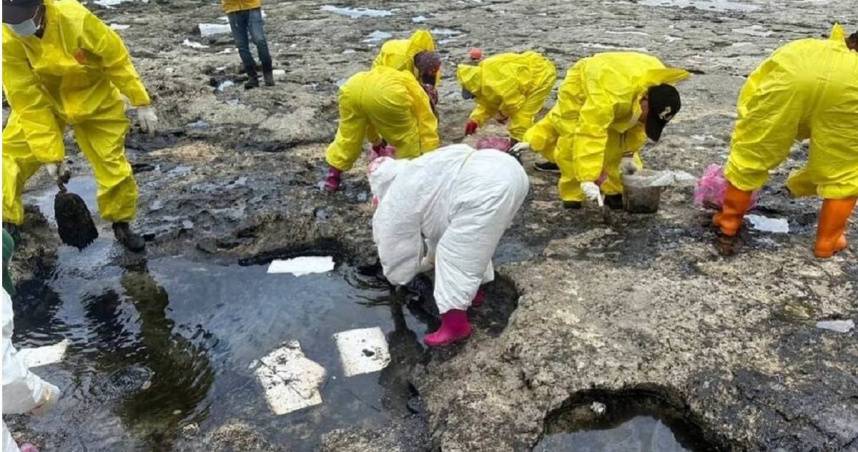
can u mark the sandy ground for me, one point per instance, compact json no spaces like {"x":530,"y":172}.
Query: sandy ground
{"x":624,"y":303}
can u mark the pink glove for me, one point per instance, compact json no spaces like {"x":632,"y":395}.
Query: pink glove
{"x":332,"y":180}
{"x":471,"y":127}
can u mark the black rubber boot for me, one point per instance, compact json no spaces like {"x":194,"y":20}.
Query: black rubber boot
{"x":572,"y":204}
{"x":615,"y":202}
{"x":269,"y":78}
{"x":130,"y":240}
{"x":253,"y":82}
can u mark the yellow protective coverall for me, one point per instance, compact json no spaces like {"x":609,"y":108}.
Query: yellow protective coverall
{"x":73,"y":75}
{"x":383,"y":103}
{"x":231,"y":6}
{"x":513,"y":84}
{"x":596,"y":119}
{"x":399,"y":53}
{"x":806,"y":89}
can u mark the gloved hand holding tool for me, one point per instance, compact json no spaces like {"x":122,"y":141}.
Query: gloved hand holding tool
{"x":59,"y":172}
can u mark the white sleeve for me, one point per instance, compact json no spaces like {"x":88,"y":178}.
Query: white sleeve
{"x":22,"y":389}
{"x":396,"y":230}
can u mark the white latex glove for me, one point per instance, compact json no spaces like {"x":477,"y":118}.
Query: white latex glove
{"x":147,"y":119}
{"x":520,"y":147}
{"x":58,"y":171}
{"x":50,"y":394}
{"x":627,"y":166}
{"x":592,"y":192}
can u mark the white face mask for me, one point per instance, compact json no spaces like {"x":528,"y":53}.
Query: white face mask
{"x":28,"y":27}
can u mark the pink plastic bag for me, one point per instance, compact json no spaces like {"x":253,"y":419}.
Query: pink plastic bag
{"x":711,"y":188}
{"x":500,"y":143}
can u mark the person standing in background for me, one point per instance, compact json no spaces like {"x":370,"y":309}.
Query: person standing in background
{"x":245,"y":21}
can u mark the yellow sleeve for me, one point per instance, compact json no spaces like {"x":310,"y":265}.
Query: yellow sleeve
{"x":591,"y":134}
{"x":482,"y":113}
{"x":100,"y":40}
{"x":27,"y":98}
{"x":427,"y":122}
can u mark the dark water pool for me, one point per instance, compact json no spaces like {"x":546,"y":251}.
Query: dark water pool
{"x":169,"y":344}
{"x":621,"y":423}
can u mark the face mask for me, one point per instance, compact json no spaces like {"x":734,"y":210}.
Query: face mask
{"x":28,"y":27}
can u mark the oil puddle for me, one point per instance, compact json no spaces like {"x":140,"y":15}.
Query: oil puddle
{"x":628,"y":422}
{"x":169,"y":345}
{"x":160,"y":346}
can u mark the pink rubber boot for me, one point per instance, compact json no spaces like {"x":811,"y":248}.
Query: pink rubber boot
{"x":332,"y":180}
{"x":479,"y":298}
{"x":454,"y":327}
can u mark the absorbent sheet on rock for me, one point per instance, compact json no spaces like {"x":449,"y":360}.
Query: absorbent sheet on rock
{"x":207,"y":30}
{"x":766,"y":224}
{"x":840,"y":326}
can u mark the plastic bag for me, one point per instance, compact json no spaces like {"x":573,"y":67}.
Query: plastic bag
{"x":711,"y":188}
{"x":500,"y":143}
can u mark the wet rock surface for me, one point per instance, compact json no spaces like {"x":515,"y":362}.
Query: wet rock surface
{"x":608,"y":302}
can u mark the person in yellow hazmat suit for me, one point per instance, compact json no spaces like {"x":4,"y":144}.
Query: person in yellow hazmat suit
{"x":509,"y":87}
{"x":63,"y":66}
{"x":385,"y":106}
{"x":416,"y":55}
{"x":607,"y":106}
{"x":805,"y":89}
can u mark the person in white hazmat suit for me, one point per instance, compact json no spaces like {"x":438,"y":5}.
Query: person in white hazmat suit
{"x":23,"y":391}
{"x":445,"y":210}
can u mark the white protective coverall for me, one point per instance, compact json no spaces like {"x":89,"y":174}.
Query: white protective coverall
{"x":449,"y":209}
{"x":22,"y":390}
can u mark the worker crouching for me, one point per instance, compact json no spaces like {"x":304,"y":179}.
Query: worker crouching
{"x":806,"y":89}
{"x":446,"y":210}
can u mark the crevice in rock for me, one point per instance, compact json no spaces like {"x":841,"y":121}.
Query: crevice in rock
{"x":601,"y":410}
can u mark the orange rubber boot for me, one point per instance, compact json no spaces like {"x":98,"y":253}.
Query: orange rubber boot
{"x":831,"y":231}
{"x":736,"y":203}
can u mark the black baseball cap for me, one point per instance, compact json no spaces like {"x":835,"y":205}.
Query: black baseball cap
{"x":664,"y":103}
{"x":17,"y":11}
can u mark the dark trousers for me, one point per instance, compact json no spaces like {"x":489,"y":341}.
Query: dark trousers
{"x":246,"y":25}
